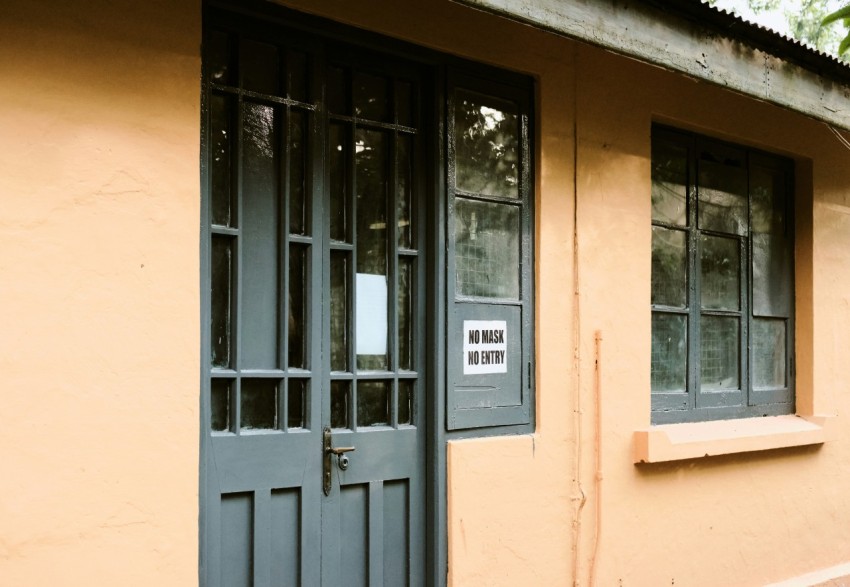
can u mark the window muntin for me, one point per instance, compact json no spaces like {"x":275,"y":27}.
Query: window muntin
{"x":722,"y":280}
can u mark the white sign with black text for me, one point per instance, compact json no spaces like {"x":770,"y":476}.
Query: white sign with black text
{"x":485,"y":346}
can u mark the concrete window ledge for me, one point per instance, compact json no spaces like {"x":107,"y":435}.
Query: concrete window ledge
{"x":833,"y":576}
{"x":675,"y":442}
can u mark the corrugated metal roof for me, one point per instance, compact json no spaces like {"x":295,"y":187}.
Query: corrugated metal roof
{"x":762,"y":37}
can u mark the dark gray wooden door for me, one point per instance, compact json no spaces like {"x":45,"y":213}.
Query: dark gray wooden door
{"x":314,"y":302}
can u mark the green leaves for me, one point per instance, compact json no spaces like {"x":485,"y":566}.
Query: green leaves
{"x":842,"y":14}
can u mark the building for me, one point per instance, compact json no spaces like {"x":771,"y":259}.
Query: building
{"x":479,"y":293}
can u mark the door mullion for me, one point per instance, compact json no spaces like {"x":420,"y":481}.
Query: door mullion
{"x":392,"y":278}
{"x":316,"y":328}
{"x":376,"y":533}
{"x":236,"y":302}
{"x":284,"y":144}
{"x":351,"y":275}
{"x":262,"y":538}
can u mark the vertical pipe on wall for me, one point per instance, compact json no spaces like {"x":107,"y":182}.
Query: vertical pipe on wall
{"x":581,"y":497}
{"x":598,"y":442}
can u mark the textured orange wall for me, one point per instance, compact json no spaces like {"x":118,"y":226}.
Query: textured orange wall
{"x":735,"y":520}
{"x":99,"y":138}
{"x":99,"y":185}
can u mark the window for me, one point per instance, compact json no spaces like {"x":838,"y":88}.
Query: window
{"x":489,"y":254}
{"x":722,"y":280}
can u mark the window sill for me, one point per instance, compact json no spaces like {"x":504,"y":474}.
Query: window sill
{"x":676,"y":442}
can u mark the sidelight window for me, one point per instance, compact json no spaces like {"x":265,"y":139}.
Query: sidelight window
{"x":490,"y":257}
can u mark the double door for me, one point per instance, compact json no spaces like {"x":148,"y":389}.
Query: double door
{"x":314,"y":386}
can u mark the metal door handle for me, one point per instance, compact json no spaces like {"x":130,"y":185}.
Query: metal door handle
{"x":329,"y":450}
{"x":339,"y":450}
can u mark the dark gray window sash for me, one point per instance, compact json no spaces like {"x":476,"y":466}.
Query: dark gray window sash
{"x":493,"y":409}
{"x":695,"y":404}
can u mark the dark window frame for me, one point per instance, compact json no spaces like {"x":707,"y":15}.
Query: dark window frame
{"x":505,"y":409}
{"x":692,"y":403}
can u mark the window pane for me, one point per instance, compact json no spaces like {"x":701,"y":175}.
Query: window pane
{"x":720,"y":271}
{"x":295,"y":401}
{"x":337,"y":91}
{"x":771,"y":250}
{"x":373,"y":403}
{"x":218,"y":58}
{"x":259,"y":404}
{"x":405,"y":313}
{"x":297,"y":173}
{"x":372,"y":175}
{"x":669,"y":352}
{"x":297,"y":74}
{"x":339,"y":403}
{"x":339,"y":151}
{"x":769,"y":357}
{"x":371,"y":97}
{"x":259,"y":238}
{"x":486,"y":145}
{"x":339,"y":311}
{"x":372,"y":308}
{"x":669,"y":182}
{"x":767,"y":200}
{"x":260,"y":67}
{"x":722,"y":191}
{"x":404,"y":190}
{"x":220,"y":405}
{"x":487,"y":249}
{"x":669,"y":267}
{"x":404,"y":103}
{"x":719,"y":353}
{"x":221,"y":275}
{"x":771,"y":275}
{"x":405,"y":400}
{"x":296,"y":316}
{"x":220,"y":135}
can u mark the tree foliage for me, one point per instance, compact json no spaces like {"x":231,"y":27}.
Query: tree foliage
{"x":809,"y":21}
{"x":843,"y":15}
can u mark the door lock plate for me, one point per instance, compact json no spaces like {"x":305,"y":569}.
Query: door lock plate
{"x":328,"y":452}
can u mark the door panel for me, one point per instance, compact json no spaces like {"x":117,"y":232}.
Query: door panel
{"x":315,"y":304}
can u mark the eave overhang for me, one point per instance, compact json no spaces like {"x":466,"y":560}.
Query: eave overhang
{"x":694,"y":39}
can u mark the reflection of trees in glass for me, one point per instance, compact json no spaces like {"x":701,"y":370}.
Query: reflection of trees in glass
{"x":486,"y":145}
{"x":669,"y":352}
{"x":722,"y":195}
{"x":258,"y":133}
{"x":769,"y":242}
{"x":768,"y":353}
{"x":373,"y":403}
{"x":719,"y":352}
{"x":669,"y":183}
{"x":370,"y":154}
{"x":719,"y":270}
{"x":669,"y":264}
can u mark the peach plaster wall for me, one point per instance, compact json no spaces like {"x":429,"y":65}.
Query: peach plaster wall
{"x":99,"y":241}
